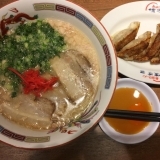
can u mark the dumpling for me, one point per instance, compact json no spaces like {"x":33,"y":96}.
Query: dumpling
{"x":155,"y":46}
{"x":125,"y":36}
{"x":136,"y":46}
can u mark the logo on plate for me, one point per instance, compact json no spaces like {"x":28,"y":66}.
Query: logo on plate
{"x":153,"y":7}
{"x":151,"y":75}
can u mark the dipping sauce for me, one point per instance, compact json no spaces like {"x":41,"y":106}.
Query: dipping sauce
{"x":128,"y":99}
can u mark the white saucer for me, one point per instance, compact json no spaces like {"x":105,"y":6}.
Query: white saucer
{"x":147,"y":131}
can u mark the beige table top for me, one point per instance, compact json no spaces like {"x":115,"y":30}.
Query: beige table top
{"x":94,"y":145}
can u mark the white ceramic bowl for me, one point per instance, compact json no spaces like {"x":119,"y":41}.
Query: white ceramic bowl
{"x":18,"y":136}
{"x":148,"y":130}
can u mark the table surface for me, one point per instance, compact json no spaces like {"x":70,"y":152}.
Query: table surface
{"x":93,"y":145}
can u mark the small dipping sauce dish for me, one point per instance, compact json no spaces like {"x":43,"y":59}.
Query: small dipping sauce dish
{"x":131,"y":95}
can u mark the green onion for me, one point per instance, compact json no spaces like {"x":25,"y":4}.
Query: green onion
{"x":31,"y":44}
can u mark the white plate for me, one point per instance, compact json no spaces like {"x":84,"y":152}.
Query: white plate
{"x":148,"y":13}
{"x":147,"y":131}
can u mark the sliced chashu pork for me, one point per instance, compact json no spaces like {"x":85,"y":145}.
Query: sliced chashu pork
{"x":75,"y":81}
{"x":36,"y":113}
{"x":27,"y":111}
{"x":72,"y":76}
{"x":82,"y":62}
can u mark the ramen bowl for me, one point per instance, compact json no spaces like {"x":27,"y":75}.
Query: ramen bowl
{"x":145,"y":132}
{"x":18,"y":136}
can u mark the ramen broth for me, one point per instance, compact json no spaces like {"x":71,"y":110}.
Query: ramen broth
{"x":128,"y":99}
{"x":78,"y":71}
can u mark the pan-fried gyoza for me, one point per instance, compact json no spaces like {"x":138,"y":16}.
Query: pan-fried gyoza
{"x":136,"y":46}
{"x":144,"y":48}
{"x":123,"y":37}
